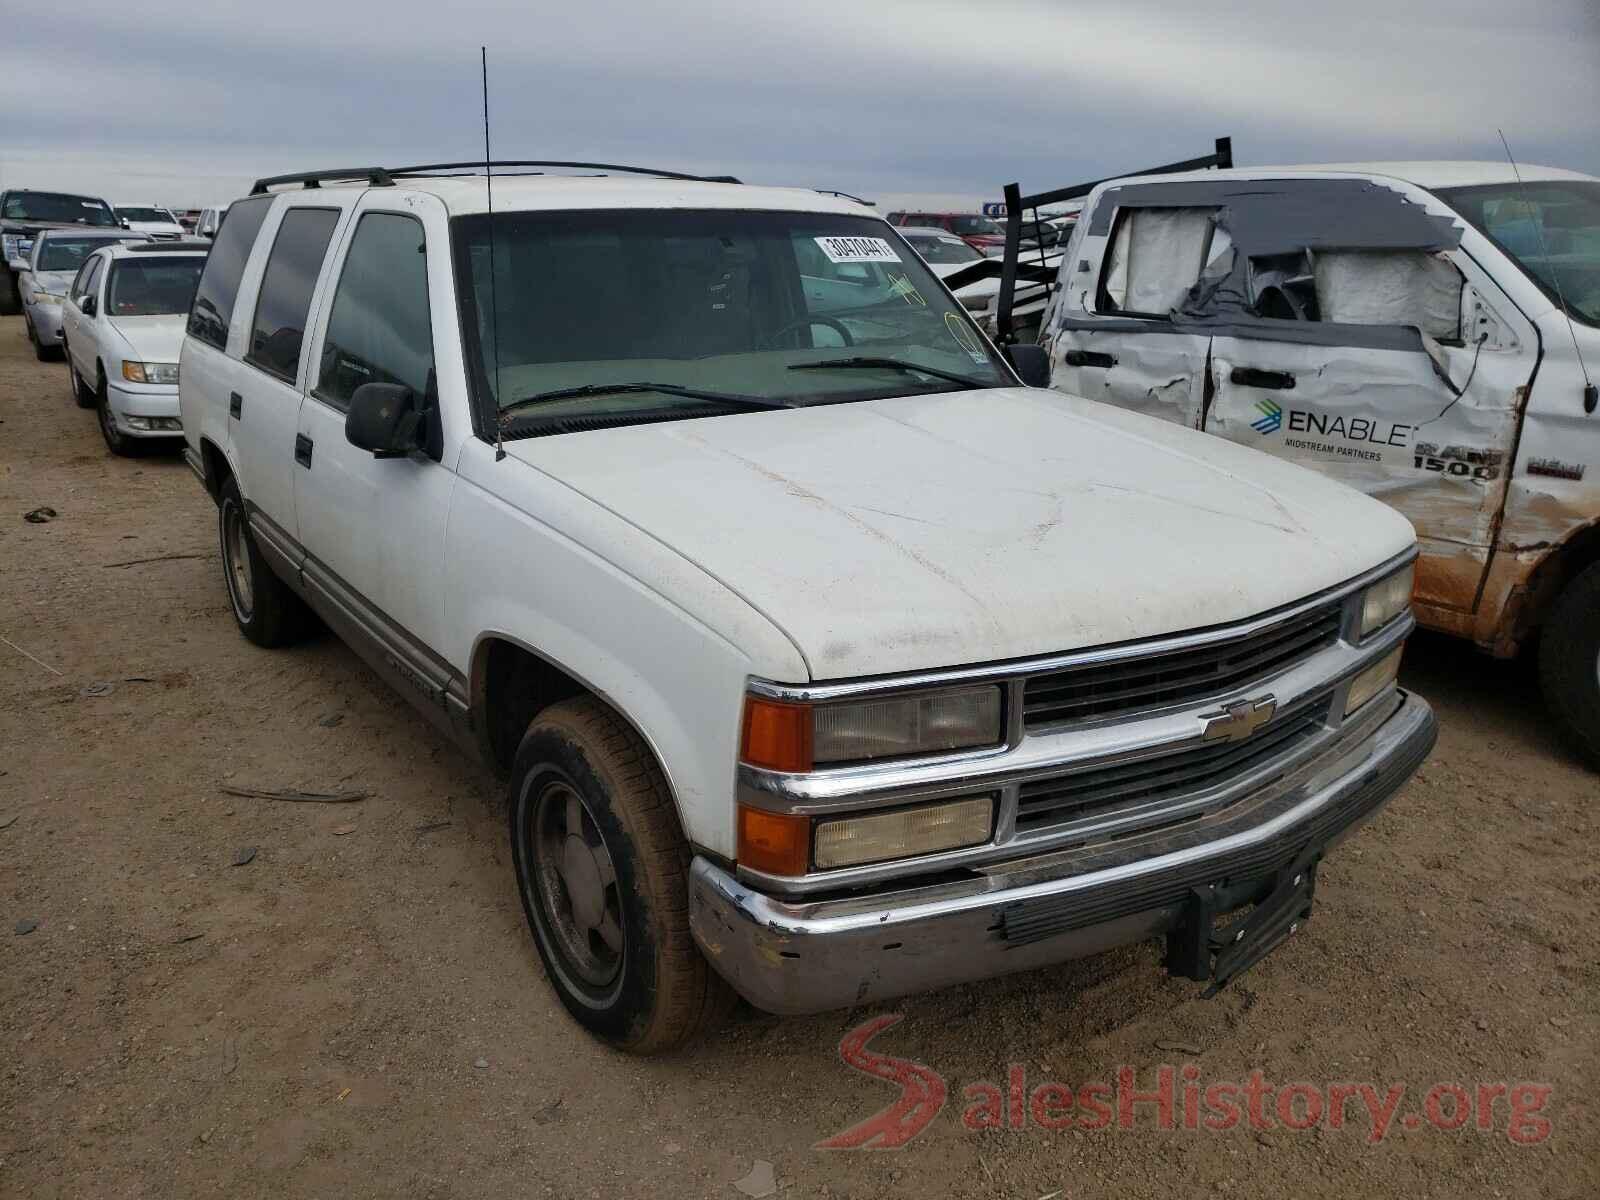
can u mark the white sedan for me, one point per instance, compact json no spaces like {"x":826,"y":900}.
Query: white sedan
{"x":123,"y":322}
{"x":946,"y":254}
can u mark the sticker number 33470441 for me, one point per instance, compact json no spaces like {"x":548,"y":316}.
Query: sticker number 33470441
{"x":857,"y":249}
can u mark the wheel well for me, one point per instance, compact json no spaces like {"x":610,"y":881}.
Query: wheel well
{"x":1560,"y":566}
{"x":511,"y":686}
{"x":216,"y":466}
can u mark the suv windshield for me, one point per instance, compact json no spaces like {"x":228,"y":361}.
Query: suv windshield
{"x":754,"y":308}
{"x":1552,"y":230}
{"x":153,"y":287}
{"x":943,"y":249}
{"x":57,"y":208}
{"x":129,"y":212}
{"x":67,"y":253}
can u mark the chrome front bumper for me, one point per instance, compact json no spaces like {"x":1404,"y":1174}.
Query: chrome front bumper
{"x":806,"y":956}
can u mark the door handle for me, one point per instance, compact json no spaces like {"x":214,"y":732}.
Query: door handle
{"x":235,"y":404}
{"x":1088,"y":358}
{"x":302,"y":450}
{"x":1257,"y":378}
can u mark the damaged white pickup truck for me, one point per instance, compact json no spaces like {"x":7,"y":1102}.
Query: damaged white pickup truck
{"x":1426,"y":332}
{"x":825,"y":660}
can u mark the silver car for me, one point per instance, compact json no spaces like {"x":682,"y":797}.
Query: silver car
{"x":52,"y":262}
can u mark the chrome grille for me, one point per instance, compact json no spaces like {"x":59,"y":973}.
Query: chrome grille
{"x":1177,"y":676}
{"x":1102,"y":791}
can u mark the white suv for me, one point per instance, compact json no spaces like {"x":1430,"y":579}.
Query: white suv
{"x":824,"y":659}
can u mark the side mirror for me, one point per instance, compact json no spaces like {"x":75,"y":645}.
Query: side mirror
{"x":1030,"y":362}
{"x":87,"y":306}
{"x":385,"y":419}
{"x":127,"y":224}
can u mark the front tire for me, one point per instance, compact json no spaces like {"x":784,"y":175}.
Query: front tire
{"x":10,"y":297}
{"x":265,"y":608}
{"x":602,"y":867}
{"x":1569,"y":662}
{"x":116,"y":441}
{"x":82,"y":396}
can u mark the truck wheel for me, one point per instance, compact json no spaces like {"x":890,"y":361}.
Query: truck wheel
{"x":266,"y":609}
{"x":10,"y":298}
{"x":603,"y":867}
{"x":1569,"y":662}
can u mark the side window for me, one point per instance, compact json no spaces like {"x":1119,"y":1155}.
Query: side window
{"x":91,"y":276}
{"x":1156,"y":256}
{"x":219,"y":284}
{"x":379,"y":329}
{"x":1390,"y":287}
{"x":80,"y":281}
{"x":286,"y":286}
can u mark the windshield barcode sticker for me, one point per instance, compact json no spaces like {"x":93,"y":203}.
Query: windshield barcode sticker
{"x":857,"y":250}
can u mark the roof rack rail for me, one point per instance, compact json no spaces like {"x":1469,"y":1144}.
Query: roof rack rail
{"x":1221,"y":157}
{"x":431,"y":168}
{"x":845,"y":196}
{"x":170,"y":246}
{"x":376,"y":176}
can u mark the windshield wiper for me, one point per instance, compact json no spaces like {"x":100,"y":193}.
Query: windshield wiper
{"x":732,"y":400}
{"x":863,"y":363}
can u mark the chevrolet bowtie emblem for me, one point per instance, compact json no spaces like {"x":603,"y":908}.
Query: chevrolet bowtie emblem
{"x":1238,"y":721}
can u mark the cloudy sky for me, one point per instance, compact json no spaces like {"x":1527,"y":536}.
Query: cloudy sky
{"x":186,"y":103}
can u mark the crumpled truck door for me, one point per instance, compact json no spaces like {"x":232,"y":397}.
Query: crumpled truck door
{"x":1402,"y":373}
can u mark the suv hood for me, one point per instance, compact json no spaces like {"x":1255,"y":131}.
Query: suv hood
{"x":969,"y":527}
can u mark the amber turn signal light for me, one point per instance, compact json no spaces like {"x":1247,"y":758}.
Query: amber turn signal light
{"x":776,"y":843}
{"x":776,"y":736}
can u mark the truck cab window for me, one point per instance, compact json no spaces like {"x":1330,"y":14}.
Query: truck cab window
{"x":1156,"y":256}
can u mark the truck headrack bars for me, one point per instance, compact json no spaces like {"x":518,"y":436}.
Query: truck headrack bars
{"x":1221,"y":158}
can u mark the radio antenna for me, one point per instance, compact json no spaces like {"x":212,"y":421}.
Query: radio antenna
{"x":494,"y":299}
{"x":1591,"y":394}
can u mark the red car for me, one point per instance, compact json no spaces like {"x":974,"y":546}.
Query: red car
{"x":982,"y":234}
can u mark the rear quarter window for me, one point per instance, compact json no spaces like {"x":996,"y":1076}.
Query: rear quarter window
{"x":219,"y":284}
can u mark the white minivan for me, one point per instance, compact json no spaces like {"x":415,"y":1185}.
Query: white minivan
{"x":1426,"y":332}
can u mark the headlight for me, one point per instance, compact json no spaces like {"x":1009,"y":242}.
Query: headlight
{"x":1373,"y":680}
{"x":782,"y":843}
{"x":141,"y":372}
{"x":1386,"y":600}
{"x":903,"y":833}
{"x":40,"y":296}
{"x":796,"y":737}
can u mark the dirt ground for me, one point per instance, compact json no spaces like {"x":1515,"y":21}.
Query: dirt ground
{"x":359,"y":1011}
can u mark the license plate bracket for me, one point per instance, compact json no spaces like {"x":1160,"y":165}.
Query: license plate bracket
{"x":1201,"y":950}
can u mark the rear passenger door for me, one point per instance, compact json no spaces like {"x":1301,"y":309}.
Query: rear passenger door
{"x":1115,"y":337}
{"x":373,"y":528}
{"x":264,"y":398}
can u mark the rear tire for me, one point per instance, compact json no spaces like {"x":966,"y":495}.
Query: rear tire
{"x":1569,"y":662}
{"x":603,"y":870}
{"x":265,"y":608}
